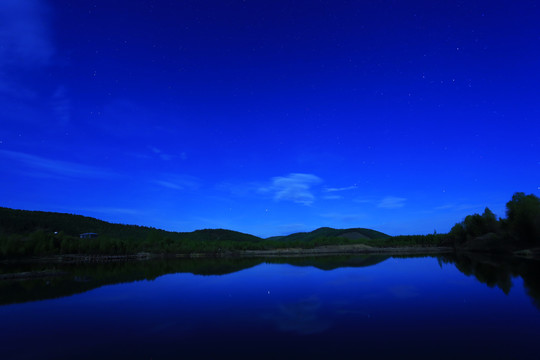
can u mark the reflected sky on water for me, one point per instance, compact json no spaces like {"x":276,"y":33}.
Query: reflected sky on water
{"x":420,"y":306}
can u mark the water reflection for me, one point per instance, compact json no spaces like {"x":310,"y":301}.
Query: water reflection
{"x":497,"y":271}
{"x":67,"y":279}
{"x":302,"y":317}
{"x":327,"y":307}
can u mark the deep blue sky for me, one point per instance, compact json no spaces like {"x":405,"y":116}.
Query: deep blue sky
{"x":269,"y":117}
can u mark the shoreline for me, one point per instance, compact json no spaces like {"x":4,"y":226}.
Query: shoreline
{"x":327,"y":250}
{"x":321,"y":251}
{"x":358,"y":249}
{"x":345,"y":250}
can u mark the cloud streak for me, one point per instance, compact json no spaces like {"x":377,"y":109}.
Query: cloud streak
{"x":295,"y":187}
{"x":341,"y":188}
{"x":344,"y":217}
{"x":457,"y":207}
{"x":160,"y":153}
{"x":392,"y":202}
{"x":61,"y":105}
{"x":26,"y":47}
{"x":59,"y":168}
{"x":332,"y":197}
{"x":24,"y":33}
{"x":178,"y":182}
{"x":110,"y":210}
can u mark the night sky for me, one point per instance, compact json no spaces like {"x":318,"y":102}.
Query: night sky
{"x":269,"y":117}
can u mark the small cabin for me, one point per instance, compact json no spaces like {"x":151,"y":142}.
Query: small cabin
{"x":88,"y":235}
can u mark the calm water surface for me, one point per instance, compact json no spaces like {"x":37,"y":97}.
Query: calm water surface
{"x":347,"y":307}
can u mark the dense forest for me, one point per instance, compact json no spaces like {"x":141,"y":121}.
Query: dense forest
{"x":29,"y":233}
{"x":520,"y":229}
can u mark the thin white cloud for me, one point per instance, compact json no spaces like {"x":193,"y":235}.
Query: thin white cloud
{"x":341,"y":188}
{"x":160,"y":153}
{"x":241,"y":189}
{"x":178,"y":182}
{"x":344,"y":217}
{"x":155,"y":152}
{"x":363,"y":201}
{"x":392,"y":202}
{"x":24,"y":33}
{"x":61,"y":105}
{"x":168,"y":184}
{"x":110,"y":210}
{"x":294,"y":187}
{"x":332,"y":197}
{"x":445,"y":207}
{"x":55,"y":167}
{"x":457,"y":207}
{"x":26,"y":46}
{"x":15,"y":89}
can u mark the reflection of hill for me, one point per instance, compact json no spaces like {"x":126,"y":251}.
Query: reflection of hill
{"x":332,"y":262}
{"x":498,"y":271}
{"x":78,"y":278}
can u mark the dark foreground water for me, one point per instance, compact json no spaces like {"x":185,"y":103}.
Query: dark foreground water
{"x":346,"y":307}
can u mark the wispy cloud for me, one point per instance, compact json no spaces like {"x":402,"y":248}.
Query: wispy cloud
{"x":457,"y":207}
{"x":24,"y":33}
{"x":160,"y":153}
{"x":26,"y":46}
{"x":392,"y":202}
{"x":178,"y":182}
{"x":153,"y":153}
{"x":61,"y":105}
{"x":168,"y":184}
{"x":240,"y":189}
{"x":364,"y":201}
{"x":110,"y":210}
{"x":341,"y":188}
{"x":332,"y":197}
{"x":294,"y":187}
{"x":15,"y":89}
{"x":445,"y":207}
{"x":344,"y":217}
{"x":57,"y":168}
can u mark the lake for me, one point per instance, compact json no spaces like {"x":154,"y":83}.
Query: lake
{"x":447,"y":306}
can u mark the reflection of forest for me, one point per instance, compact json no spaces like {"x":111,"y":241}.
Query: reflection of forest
{"x":78,"y":278}
{"x":498,"y":271}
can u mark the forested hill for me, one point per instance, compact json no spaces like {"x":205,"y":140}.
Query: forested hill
{"x":28,"y":233}
{"x":26,"y":223}
{"x":326,"y":232}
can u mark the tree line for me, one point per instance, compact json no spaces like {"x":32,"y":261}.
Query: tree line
{"x":30,"y":233}
{"x":520,"y":228}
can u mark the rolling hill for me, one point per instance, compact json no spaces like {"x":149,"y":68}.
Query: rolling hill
{"x":24,"y":222}
{"x":327,"y":232}
{"x":28,"y":233}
